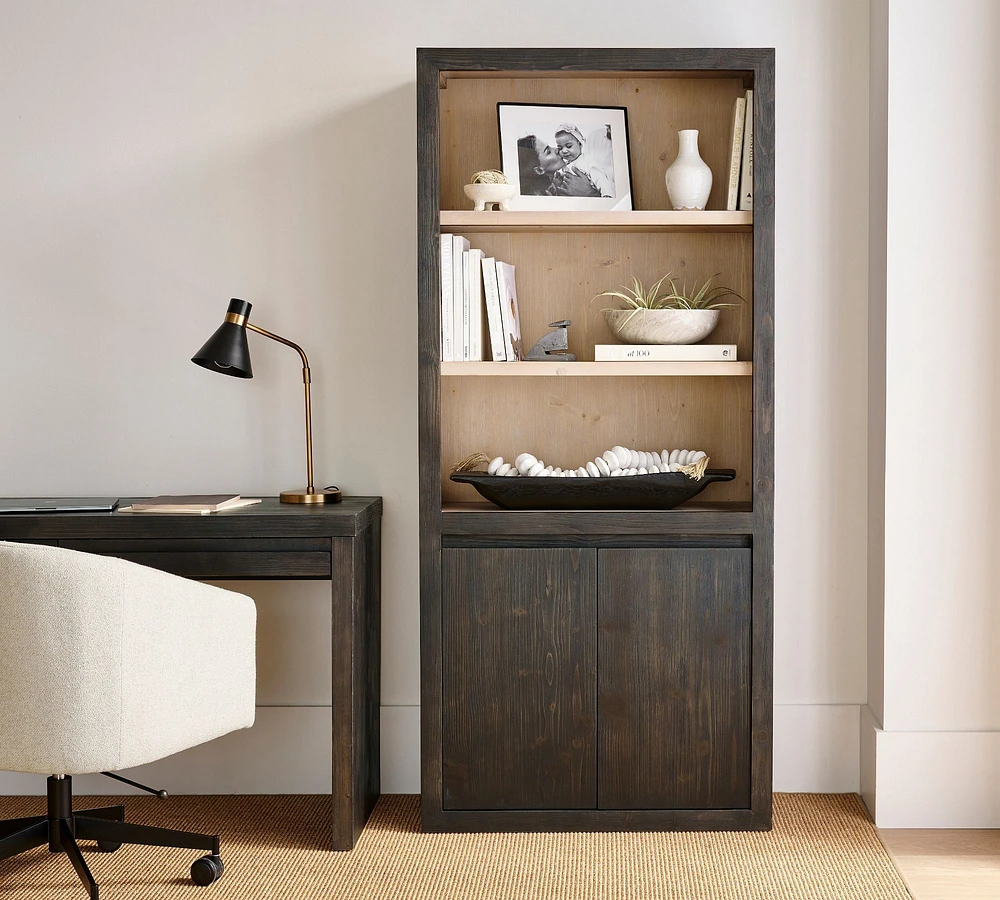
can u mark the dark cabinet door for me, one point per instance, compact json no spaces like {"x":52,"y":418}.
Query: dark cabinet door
{"x":520,"y":685}
{"x":674,"y":680}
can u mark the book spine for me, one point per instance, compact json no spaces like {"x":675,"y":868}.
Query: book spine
{"x":508,"y":311}
{"x":493,"y":315}
{"x":447,"y":348}
{"x":736,"y":134}
{"x":505,"y":314}
{"x":466,"y":310}
{"x":665,"y":352}
{"x":458,"y":244}
{"x":476,"y":305}
{"x":746,"y":176}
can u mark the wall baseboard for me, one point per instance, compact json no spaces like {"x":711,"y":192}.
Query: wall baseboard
{"x":400,"y":749}
{"x":815,"y":750}
{"x":288,"y":751}
{"x":933,"y":779}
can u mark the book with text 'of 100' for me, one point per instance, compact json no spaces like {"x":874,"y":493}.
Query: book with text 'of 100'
{"x":665,"y":352}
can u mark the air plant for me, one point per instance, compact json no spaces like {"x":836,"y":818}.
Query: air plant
{"x":639,"y":298}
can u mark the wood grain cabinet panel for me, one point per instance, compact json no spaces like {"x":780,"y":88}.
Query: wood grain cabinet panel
{"x":519,"y":678}
{"x":674,"y":678}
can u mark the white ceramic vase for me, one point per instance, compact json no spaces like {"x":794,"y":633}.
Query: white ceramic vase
{"x":689,"y":179}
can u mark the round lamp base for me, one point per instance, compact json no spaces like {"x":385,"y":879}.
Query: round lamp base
{"x":327,"y":495}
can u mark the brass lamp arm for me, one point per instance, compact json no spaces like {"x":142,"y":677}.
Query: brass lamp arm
{"x":306,"y":379}
{"x":277,"y":337}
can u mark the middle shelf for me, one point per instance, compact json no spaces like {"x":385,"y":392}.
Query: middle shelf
{"x":579,"y":368}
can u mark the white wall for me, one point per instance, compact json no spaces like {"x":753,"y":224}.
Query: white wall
{"x":159,"y":158}
{"x":939,"y":742}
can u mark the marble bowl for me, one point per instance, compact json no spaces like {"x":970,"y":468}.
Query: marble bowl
{"x":661,"y":326}
{"x":483,"y":194}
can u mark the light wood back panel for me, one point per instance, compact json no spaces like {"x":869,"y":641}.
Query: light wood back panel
{"x":558,"y":274}
{"x":567,"y":421}
{"x":658,"y":108}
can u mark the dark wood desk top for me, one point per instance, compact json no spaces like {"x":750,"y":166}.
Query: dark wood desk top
{"x":271,"y":518}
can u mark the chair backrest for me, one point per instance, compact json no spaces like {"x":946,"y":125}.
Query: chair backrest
{"x":105,"y":664}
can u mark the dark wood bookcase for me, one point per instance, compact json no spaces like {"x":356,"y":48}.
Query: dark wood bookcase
{"x":597,"y":670}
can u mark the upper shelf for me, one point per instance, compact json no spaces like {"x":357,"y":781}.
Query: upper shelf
{"x":709,"y":220}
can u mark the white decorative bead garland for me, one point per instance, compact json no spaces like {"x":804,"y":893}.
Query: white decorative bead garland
{"x":613,"y":463}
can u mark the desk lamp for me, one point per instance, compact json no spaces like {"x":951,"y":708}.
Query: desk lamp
{"x":227,"y":352}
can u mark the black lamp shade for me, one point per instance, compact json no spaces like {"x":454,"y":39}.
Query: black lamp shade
{"x":227,"y":350}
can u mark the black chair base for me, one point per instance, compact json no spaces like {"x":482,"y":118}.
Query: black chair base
{"x":61,"y":828}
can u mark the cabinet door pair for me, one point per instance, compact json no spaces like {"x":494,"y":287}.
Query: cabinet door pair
{"x":583,"y":678}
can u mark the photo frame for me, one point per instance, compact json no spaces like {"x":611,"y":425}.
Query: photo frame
{"x":566,"y":157}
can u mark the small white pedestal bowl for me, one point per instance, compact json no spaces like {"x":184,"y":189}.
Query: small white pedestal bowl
{"x":661,"y":326}
{"x":483,"y":194}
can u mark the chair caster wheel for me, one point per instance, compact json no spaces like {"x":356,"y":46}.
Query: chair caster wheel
{"x":207,"y":870}
{"x":108,"y":846}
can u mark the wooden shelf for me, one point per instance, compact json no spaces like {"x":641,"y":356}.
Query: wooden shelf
{"x":616,"y":369}
{"x":694,"y":517}
{"x":710,"y":220}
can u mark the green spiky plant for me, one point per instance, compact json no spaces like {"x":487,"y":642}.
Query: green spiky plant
{"x":639,"y":298}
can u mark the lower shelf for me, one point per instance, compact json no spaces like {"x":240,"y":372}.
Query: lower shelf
{"x":486,"y":520}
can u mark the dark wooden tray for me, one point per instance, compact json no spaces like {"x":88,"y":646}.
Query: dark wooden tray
{"x":663,"y":490}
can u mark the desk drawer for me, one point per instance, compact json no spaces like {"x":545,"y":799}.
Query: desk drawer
{"x":238,"y":558}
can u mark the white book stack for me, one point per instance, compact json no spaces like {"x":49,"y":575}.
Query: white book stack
{"x":463,"y":301}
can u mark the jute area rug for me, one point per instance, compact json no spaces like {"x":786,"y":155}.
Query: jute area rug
{"x":823,"y":847}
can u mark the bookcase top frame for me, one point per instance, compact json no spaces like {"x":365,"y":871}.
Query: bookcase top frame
{"x":492,"y":62}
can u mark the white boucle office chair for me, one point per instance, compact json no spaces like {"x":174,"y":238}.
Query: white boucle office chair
{"x":105,"y":664}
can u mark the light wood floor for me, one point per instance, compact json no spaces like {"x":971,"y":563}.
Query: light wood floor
{"x":956,"y":864}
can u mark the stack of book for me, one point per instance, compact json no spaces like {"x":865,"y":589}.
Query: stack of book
{"x":472,"y":283}
{"x":195,"y":504}
{"x":740,"y":188}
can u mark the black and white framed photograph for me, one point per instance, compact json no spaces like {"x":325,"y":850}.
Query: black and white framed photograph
{"x":566,"y":157}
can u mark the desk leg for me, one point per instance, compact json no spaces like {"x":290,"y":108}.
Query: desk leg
{"x":356,"y":676}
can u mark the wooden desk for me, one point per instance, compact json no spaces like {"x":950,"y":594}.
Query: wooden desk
{"x":271,"y":540}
